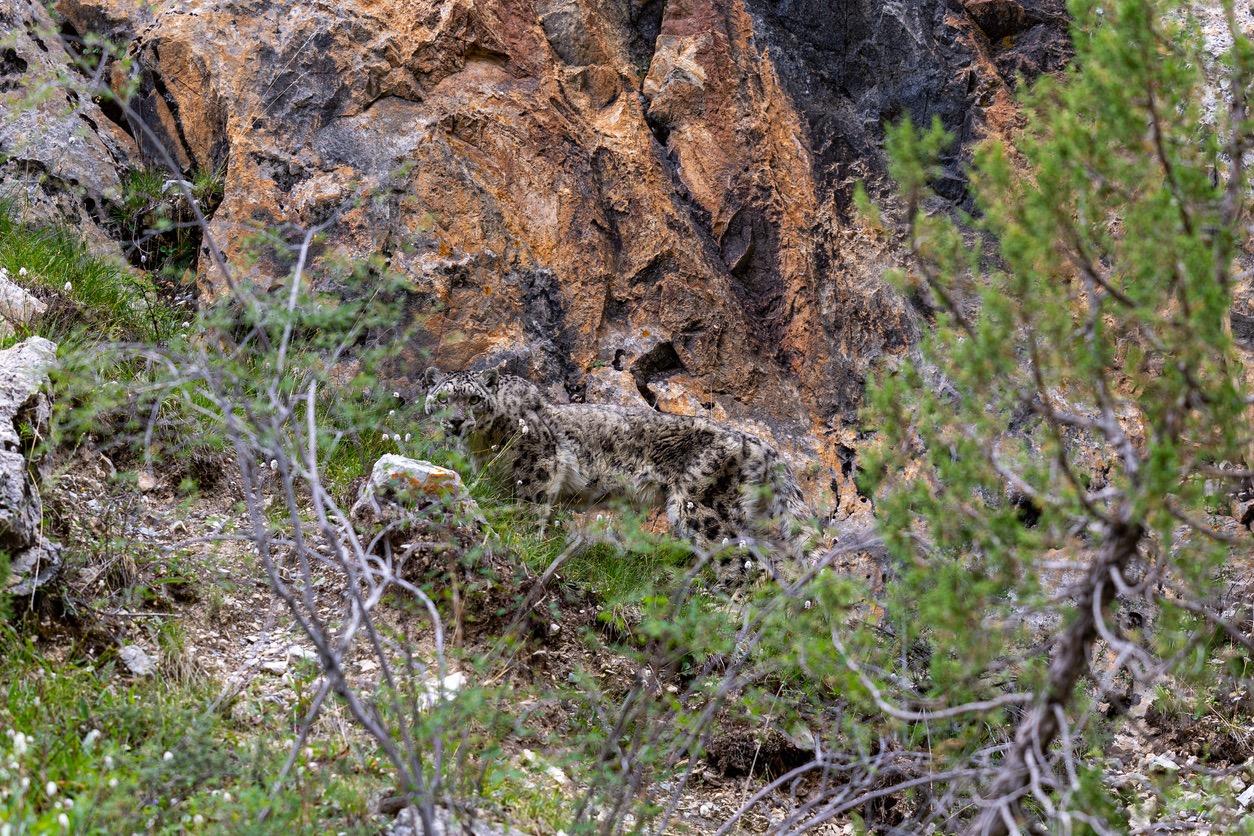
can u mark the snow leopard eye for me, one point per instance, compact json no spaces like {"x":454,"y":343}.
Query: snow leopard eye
{"x":475,"y":400}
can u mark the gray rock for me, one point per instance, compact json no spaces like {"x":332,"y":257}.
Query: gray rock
{"x":33,"y":567}
{"x":17,"y":307}
{"x":23,"y":376}
{"x":61,"y":154}
{"x":445,"y":823}
{"x":404,"y":497}
{"x":137,"y":660}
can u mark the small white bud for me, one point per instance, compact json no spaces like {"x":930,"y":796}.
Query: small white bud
{"x":51,"y":789}
{"x":748,"y":565}
{"x":68,"y":287}
{"x":108,"y":761}
{"x":64,"y":821}
{"x":187,"y":324}
{"x":21,"y":271}
{"x":168,"y":756}
{"x":90,"y":738}
{"x":113,"y":782}
{"x":198,"y":819}
{"x":408,"y":436}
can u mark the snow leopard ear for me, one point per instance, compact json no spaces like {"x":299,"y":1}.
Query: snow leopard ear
{"x":491,"y":377}
{"x":431,"y":377}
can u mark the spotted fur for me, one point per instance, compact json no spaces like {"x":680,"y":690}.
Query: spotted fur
{"x":715,"y":482}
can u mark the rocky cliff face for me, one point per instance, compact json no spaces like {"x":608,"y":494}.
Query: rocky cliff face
{"x":645,"y":201}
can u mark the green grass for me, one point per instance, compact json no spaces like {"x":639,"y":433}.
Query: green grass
{"x":152,"y":756}
{"x":90,"y":299}
{"x":156,"y":222}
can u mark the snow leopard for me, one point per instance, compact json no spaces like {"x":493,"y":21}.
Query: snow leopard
{"x":715,"y":482}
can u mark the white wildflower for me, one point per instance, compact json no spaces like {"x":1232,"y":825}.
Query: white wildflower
{"x":68,"y":287}
{"x":688,"y":505}
{"x":198,"y":819}
{"x":19,"y":744}
{"x":90,"y":738}
{"x":69,"y":804}
{"x":113,"y":782}
{"x":408,"y":436}
{"x":108,"y":761}
{"x":51,"y":789}
{"x":274,"y":464}
{"x":396,"y":395}
{"x":21,"y":271}
{"x":64,"y":821}
{"x":168,"y":756}
{"x":748,"y":565}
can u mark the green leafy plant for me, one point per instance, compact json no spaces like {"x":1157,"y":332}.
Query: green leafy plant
{"x":1077,"y":405}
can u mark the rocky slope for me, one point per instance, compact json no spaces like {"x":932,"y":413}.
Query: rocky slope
{"x":646,"y":202}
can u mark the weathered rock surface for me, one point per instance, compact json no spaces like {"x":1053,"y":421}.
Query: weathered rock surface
{"x":137,"y":660}
{"x":657,"y":187}
{"x":60,"y":155}
{"x":17,"y":306}
{"x":404,"y":500}
{"x":23,"y":406}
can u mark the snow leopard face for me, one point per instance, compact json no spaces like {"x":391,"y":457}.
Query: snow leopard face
{"x":463,"y":400}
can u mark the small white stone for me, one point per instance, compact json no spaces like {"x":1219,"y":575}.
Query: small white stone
{"x":1246,"y":798}
{"x":396,"y":395}
{"x":555,"y":628}
{"x":274,"y":464}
